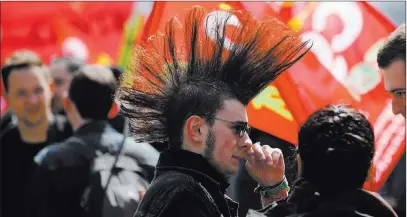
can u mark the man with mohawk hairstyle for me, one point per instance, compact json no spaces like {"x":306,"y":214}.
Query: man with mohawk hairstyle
{"x":192,"y":93}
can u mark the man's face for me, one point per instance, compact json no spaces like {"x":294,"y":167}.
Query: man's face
{"x":224,"y":146}
{"x":395,"y":83}
{"x":29,"y":95}
{"x":62,"y":80}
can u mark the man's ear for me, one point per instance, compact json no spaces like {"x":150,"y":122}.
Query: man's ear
{"x":193,"y":127}
{"x":114,"y":110}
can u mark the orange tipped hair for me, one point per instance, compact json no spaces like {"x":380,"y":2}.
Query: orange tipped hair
{"x":261,"y":50}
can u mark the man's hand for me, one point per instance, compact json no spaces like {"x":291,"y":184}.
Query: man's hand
{"x":265,"y":164}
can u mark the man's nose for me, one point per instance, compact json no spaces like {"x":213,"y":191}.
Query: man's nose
{"x":33,"y":98}
{"x":246,"y":141}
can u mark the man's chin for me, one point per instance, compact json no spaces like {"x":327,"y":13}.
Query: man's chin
{"x":232,"y":170}
{"x":32,"y":122}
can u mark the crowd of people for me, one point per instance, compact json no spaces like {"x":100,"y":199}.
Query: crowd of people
{"x":79,"y":139}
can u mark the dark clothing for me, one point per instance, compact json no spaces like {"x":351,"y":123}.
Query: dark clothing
{"x":64,"y":168}
{"x":186,"y":185}
{"x":394,"y":190}
{"x":118,"y":122}
{"x":17,"y":163}
{"x":6,"y":120}
{"x":306,"y":199}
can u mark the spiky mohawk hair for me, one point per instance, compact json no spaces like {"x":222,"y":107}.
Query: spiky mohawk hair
{"x":169,"y":68}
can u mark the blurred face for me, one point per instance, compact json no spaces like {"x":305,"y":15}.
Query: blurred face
{"x":395,"y":83}
{"x":62,"y":80}
{"x":29,"y":95}
{"x":227,"y":139}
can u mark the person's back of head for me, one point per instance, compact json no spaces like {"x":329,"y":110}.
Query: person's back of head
{"x":336,"y":147}
{"x":92,"y":92}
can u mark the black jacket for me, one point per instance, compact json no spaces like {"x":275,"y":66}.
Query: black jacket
{"x":394,"y":189}
{"x":305,"y":200}
{"x":186,"y":185}
{"x":63,"y":169}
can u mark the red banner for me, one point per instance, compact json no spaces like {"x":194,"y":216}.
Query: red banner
{"x":89,"y":30}
{"x":93,"y":31}
{"x":342,"y":68}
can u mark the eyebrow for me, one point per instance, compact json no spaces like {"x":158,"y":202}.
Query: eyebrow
{"x":397,"y":90}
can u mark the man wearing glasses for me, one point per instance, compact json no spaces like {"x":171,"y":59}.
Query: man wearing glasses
{"x":194,"y":96}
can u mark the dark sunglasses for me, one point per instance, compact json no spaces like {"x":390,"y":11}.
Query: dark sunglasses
{"x":240,"y":127}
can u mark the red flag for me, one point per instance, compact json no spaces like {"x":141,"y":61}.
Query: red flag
{"x":92,"y":31}
{"x":342,"y":68}
{"x":89,"y":30}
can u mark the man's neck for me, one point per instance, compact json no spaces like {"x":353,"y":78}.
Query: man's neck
{"x":37,"y":133}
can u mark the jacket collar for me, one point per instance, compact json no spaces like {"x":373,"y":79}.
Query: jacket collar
{"x":92,"y":126}
{"x":193,"y":164}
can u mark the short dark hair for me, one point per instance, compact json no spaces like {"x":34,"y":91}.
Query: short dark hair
{"x":394,"y":48}
{"x":72,"y":63}
{"x":117,"y":72}
{"x":22,"y":59}
{"x":169,"y":82}
{"x":336,"y":145}
{"x":92,"y":90}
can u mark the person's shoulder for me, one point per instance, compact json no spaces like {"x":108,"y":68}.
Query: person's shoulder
{"x":47,"y":156}
{"x":132,"y":146}
{"x":143,"y":152}
{"x":176,"y":194}
{"x":58,"y":154}
{"x":175,"y":183}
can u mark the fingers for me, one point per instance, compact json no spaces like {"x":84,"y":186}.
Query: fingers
{"x":277,"y":157}
{"x":268,"y":151}
{"x":273,"y":156}
{"x":258,"y":152}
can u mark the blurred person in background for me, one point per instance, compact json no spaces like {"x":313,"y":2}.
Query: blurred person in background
{"x":63,"y":168}
{"x":28,"y":89}
{"x":391,"y":59}
{"x":62,"y":69}
{"x":335,"y":152}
